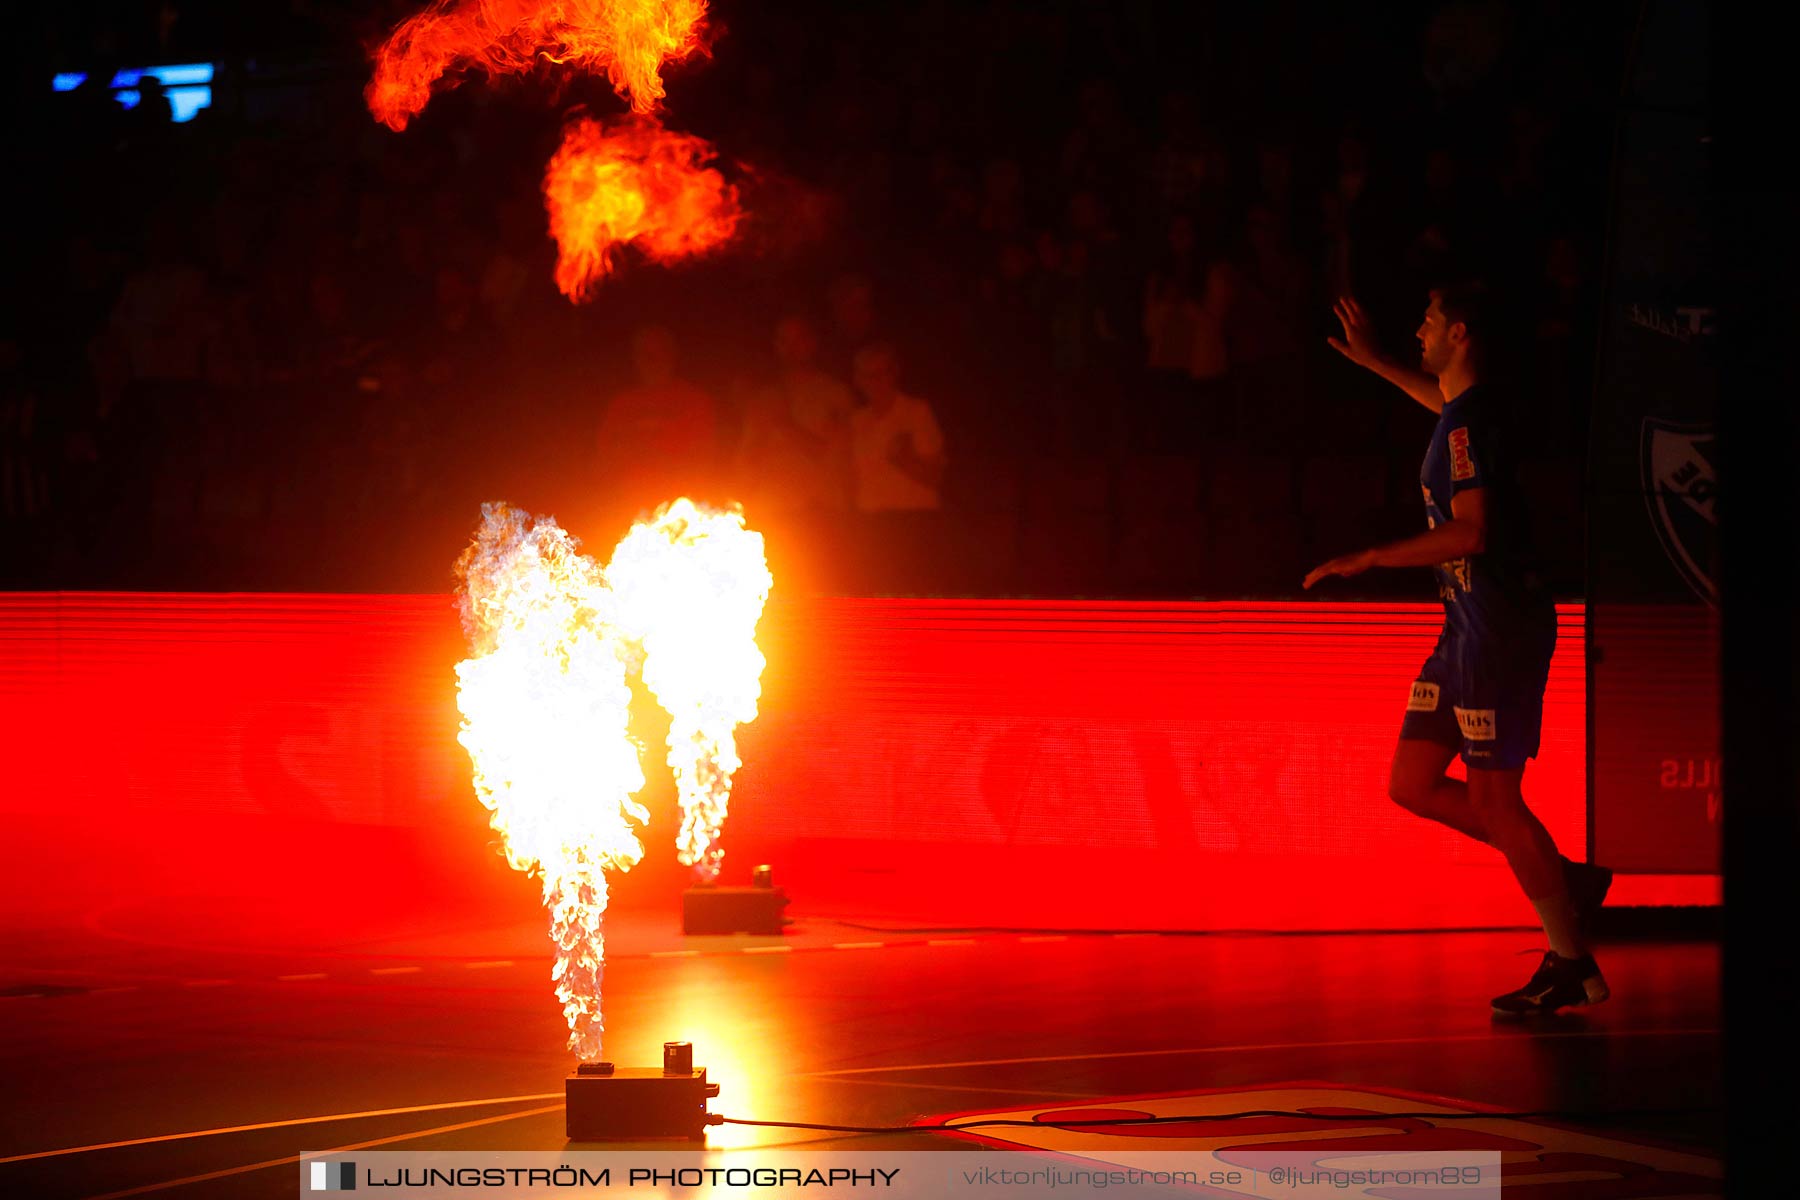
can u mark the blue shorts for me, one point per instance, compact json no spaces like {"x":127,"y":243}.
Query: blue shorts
{"x":1483,"y":696}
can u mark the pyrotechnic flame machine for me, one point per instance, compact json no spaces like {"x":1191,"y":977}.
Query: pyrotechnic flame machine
{"x":606,"y":1103}
{"x":709,"y":908}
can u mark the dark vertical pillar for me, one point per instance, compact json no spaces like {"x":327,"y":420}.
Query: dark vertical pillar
{"x":1759,"y":438}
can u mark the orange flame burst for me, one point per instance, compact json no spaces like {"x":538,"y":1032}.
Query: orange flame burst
{"x":691,"y":583}
{"x":545,"y":707}
{"x":628,"y":40}
{"x":639,"y":183}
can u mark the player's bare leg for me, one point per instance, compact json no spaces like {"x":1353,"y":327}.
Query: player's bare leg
{"x":1568,"y":975}
{"x":1514,"y":830}
{"x":1417,"y":783}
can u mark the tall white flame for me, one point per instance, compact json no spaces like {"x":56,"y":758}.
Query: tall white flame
{"x":545,"y":707}
{"x":691,"y":583}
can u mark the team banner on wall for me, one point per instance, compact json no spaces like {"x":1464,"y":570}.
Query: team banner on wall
{"x":1122,"y":765}
{"x":1652,"y":524}
{"x":1027,"y":764}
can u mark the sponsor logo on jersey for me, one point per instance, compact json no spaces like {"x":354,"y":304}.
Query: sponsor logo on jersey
{"x":1477,"y":723}
{"x":1461,"y":465}
{"x":1424,"y":697}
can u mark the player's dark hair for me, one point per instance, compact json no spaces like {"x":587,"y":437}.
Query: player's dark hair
{"x":1471,"y":302}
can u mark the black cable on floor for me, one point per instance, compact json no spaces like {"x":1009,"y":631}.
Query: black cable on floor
{"x":1364,"y":1118}
{"x":1008,"y":930}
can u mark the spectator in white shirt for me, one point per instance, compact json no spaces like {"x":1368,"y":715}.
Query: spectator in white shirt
{"x":896,"y":446}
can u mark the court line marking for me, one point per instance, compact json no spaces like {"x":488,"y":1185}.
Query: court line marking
{"x":312,"y":976}
{"x":902,"y":943}
{"x":292,"y":1121}
{"x":294,"y":1158}
{"x":957,"y":1087}
{"x":1052,"y":1058}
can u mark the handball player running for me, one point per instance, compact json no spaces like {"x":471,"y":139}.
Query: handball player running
{"x":1481,"y":692}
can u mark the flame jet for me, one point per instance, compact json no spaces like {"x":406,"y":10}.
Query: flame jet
{"x":691,"y":583}
{"x":626,"y":40}
{"x":636,"y":182}
{"x":545,"y":714}
{"x":633,"y":182}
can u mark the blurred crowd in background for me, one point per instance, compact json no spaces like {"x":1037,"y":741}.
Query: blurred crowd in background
{"x":1033,"y":297}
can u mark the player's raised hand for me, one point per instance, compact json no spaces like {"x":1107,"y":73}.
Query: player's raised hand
{"x":1359,"y":333}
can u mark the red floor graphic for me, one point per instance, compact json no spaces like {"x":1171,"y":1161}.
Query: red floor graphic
{"x":1540,"y":1160}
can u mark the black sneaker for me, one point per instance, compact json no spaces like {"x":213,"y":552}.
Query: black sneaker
{"x":1558,"y":983}
{"x":1587,"y":885}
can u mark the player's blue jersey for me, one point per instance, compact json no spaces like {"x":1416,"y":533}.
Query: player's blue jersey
{"x":1494,"y":595}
